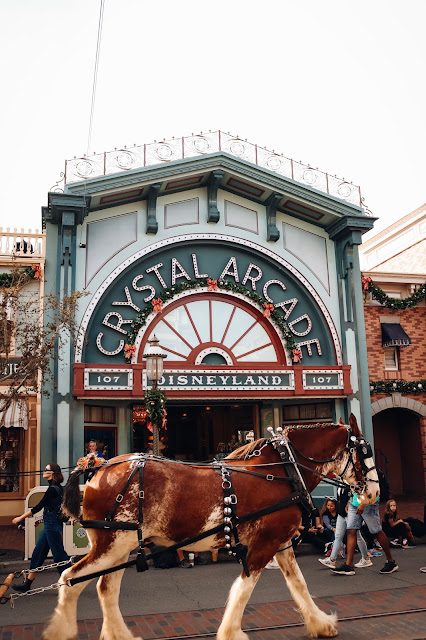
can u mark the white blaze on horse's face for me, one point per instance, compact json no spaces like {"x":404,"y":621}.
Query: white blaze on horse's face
{"x":370,"y":491}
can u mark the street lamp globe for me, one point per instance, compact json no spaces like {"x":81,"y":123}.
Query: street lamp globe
{"x":154,"y":356}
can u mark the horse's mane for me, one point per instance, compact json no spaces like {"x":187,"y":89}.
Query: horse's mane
{"x":242,"y":453}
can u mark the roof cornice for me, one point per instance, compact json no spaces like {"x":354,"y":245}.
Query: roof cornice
{"x":215,"y":161}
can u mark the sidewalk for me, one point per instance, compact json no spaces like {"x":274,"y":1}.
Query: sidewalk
{"x":195,"y":624}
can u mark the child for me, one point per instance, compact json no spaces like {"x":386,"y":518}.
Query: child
{"x":396,"y":529}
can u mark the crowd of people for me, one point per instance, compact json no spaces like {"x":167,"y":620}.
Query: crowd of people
{"x":344,"y":527}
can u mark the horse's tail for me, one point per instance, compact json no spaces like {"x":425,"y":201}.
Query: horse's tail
{"x":71,"y":497}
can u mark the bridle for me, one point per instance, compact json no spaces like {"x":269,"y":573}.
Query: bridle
{"x":353,"y":443}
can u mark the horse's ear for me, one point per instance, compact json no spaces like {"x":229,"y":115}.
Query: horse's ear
{"x":354,"y":425}
{"x":341,"y":421}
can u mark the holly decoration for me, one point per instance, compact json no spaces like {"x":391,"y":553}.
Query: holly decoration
{"x":378,"y":294}
{"x":167,"y":294}
{"x":397,"y":386}
{"x":155,"y":401}
{"x":8,"y":280}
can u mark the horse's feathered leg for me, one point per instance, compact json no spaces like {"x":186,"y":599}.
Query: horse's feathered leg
{"x":241,"y":590}
{"x":114,"y":627}
{"x":63,"y":623}
{"x":107,"y":550}
{"x":318,"y":623}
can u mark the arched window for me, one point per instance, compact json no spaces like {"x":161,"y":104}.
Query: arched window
{"x":216,"y":331}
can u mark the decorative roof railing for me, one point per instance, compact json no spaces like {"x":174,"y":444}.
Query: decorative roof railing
{"x":16,"y":244}
{"x":138,"y":156}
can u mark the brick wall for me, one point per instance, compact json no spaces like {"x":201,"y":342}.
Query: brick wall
{"x":412,"y":358}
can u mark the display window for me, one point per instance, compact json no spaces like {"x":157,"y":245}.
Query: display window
{"x":11,"y":460}
{"x":98,"y":421}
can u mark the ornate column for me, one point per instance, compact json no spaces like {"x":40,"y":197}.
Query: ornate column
{"x":63,"y":214}
{"x":347,"y":233}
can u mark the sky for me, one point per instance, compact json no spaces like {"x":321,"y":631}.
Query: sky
{"x":336,"y":84}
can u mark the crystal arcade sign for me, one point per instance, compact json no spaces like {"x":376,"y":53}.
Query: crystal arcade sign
{"x":186,"y":259}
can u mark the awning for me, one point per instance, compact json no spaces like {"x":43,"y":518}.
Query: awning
{"x":16,"y":415}
{"x":393,"y":335}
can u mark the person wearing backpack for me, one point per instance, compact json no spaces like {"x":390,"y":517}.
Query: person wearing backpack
{"x":51,"y":537}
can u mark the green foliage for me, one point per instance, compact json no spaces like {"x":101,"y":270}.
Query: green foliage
{"x":155,"y":400}
{"x":395,"y":303}
{"x":397,"y":386}
{"x":16,"y":278}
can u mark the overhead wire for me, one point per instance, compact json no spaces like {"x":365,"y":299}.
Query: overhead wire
{"x":95,"y":75}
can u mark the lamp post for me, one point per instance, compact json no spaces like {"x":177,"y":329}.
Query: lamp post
{"x":154,"y":370}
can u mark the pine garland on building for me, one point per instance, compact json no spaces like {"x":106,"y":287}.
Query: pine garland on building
{"x":155,"y":400}
{"x":20,"y":278}
{"x":397,"y":386}
{"x":212,"y":285}
{"x":378,"y":294}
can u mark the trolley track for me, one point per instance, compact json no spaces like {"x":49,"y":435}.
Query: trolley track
{"x":295,"y":625}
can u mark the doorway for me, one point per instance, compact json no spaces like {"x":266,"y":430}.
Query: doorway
{"x":397,"y":442}
{"x":203,"y":432}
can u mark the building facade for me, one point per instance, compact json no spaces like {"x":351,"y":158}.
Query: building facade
{"x":245,"y":266}
{"x":394,"y":270}
{"x":20,"y":422}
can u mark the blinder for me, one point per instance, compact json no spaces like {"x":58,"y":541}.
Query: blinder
{"x":364,"y":452}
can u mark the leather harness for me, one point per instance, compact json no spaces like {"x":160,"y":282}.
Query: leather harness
{"x":300,"y":496}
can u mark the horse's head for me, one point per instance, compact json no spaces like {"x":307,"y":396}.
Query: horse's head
{"x":359,"y":468}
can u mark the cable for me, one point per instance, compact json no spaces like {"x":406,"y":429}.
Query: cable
{"x":95,"y":75}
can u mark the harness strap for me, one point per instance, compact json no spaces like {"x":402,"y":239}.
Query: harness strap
{"x":230,"y":501}
{"x":111,"y":513}
{"x":109,"y":524}
{"x":293,"y":498}
{"x":141,"y":561}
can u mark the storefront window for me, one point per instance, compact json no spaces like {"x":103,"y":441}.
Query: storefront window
{"x":97,"y":420}
{"x":11,"y":447}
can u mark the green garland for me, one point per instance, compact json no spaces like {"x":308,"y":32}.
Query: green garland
{"x":397,"y":386}
{"x":393,"y":303}
{"x":167,"y":294}
{"x":155,"y":400}
{"x":7,"y":280}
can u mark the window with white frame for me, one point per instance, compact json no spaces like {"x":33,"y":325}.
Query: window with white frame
{"x":391,"y":359}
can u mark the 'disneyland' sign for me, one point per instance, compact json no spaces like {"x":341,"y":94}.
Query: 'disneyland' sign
{"x":135,"y":283}
{"x":207,"y":380}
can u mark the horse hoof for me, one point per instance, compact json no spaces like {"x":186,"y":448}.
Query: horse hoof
{"x":329,"y":633}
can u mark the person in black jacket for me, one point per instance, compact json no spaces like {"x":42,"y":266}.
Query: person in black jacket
{"x":51,"y":537}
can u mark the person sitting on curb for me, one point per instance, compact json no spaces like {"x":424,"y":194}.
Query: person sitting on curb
{"x":398,"y":530}
{"x":370,"y":514}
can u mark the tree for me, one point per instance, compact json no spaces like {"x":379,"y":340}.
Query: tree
{"x":27,"y":342}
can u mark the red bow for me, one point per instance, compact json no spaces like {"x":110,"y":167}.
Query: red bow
{"x":211,"y":285}
{"x":366,"y":283}
{"x":37,"y":271}
{"x":149,"y":427}
{"x":158,"y":305}
{"x":129,"y":350}
{"x":268,"y":309}
{"x":297,"y":355}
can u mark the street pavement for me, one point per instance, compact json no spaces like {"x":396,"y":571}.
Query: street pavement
{"x":163,"y":603}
